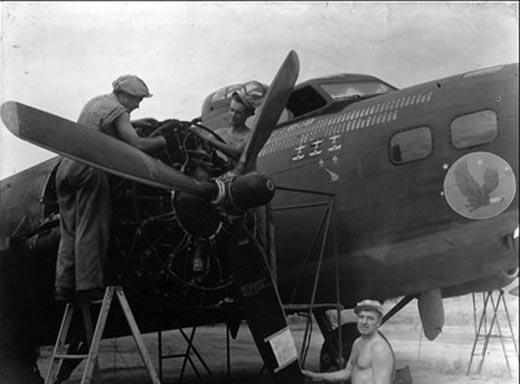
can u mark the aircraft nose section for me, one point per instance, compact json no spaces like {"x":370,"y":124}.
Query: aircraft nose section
{"x":251,"y":190}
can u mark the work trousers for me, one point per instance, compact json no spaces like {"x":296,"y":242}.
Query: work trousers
{"x":84,"y":202}
{"x":264,"y":233}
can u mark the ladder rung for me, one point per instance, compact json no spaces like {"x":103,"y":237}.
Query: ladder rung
{"x":70,"y":356}
{"x":173,"y":356}
{"x":495,"y":336}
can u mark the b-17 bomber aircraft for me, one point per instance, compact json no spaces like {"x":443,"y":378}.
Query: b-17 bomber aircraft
{"x":375,"y":192}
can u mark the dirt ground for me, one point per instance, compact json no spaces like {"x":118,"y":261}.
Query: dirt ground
{"x":443,"y":361}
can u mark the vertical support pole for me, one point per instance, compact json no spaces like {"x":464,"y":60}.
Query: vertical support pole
{"x":474,"y":313}
{"x":338,"y":297}
{"x":270,"y":242}
{"x":159,"y":350}
{"x":228,"y":355}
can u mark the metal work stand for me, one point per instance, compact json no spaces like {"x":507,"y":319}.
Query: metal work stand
{"x":326,"y":229}
{"x":91,"y":370}
{"x":186,"y":356}
{"x":484,"y":333}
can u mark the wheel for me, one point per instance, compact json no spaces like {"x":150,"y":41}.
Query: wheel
{"x":329,"y":355}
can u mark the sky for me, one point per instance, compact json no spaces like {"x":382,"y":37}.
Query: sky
{"x":56,"y":56}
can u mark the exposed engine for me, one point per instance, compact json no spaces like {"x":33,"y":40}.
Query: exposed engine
{"x":169,"y":247}
{"x":166,"y":248}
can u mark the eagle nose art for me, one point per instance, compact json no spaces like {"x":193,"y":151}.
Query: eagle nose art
{"x":479,"y":185}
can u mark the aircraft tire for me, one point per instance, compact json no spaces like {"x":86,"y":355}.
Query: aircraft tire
{"x":329,"y":354}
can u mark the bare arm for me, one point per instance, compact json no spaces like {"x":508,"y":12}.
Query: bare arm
{"x":329,"y":377}
{"x":129,"y":135}
{"x":337,"y":376}
{"x":382,"y":364}
{"x":145,"y":122}
{"x":229,"y":150}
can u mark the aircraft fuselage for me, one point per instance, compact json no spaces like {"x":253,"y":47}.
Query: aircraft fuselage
{"x":403,"y":223}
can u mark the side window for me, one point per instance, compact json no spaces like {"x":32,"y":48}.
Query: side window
{"x":474,"y":129}
{"x":410,"y":145}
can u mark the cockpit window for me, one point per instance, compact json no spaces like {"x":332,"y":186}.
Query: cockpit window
{"x":254,"y":88}
{"x":219,"y":95}
{"x":342,"y":91}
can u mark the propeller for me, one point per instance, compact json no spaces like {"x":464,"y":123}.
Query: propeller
{"x":256,"y":290}
{"x":97,"y":149}
{"x":253,"y":278}
{"x":252,"y":189}
{"x":94,"y":148}
{"x":275,"y":101}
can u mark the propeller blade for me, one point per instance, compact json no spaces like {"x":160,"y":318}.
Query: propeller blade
{"x":97,"y":149}
{"x":275,"y":101}
{"x":256,"y":289}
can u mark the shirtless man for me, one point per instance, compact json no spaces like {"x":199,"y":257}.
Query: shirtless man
{"x":371,"y":360}
{"x":237,"y":135}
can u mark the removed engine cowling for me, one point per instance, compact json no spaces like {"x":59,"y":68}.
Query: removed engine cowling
{"x":171,"y":247}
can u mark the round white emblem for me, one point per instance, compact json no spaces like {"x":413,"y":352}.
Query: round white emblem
{"x":479,"y":185}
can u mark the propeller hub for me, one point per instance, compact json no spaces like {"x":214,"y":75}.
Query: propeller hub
{"x":251,"y":190}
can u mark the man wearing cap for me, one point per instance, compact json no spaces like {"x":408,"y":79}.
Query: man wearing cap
{"x":242,"y":106}
{"x":371,"y":360}
{"x":84,"y":196}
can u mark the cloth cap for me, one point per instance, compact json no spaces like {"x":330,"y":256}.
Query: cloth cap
{"x":132,"y":85}
{"x":247,"y":100}
{"x":369,"y":305}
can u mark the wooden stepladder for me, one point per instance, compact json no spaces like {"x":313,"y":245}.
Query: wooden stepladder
{"x":91,"y":370}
